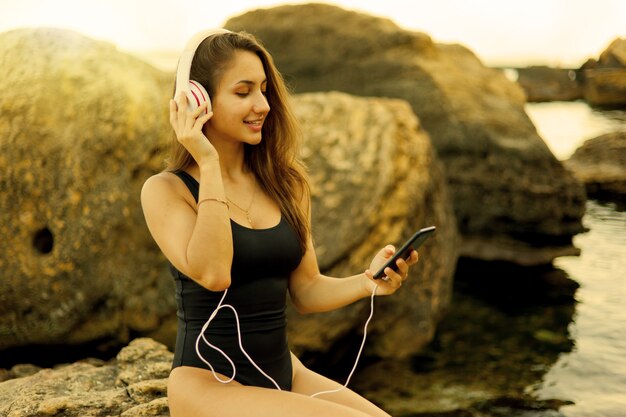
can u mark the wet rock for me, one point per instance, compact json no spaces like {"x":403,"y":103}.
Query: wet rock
{"x":132,"y":385}
{"x":375,"y":180}
{"x":80,"y":125}
{"x":513,"y":199}
{"x":600,"y":163}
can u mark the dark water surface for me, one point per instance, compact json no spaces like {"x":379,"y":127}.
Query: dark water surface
{"x":593,"y":374}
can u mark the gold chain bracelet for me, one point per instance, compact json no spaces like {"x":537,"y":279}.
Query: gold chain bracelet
{"x":219,"y":200}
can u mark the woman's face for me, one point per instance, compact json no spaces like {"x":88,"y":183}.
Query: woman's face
{"x":239,"y":103}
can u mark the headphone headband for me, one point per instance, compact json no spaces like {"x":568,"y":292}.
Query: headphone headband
{"x":184,"y":66}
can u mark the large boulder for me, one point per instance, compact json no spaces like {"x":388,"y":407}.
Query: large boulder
{"x":132,"y":385}
{"x":78,"y":262}
{"x":80,"y":124}
{"x":604,"y":79}
{"x":513,"y":199}
{"x":600,"y":163}
{"x":375,"y":180}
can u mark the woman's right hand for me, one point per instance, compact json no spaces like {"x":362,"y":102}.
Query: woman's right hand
{"x":188,"y":129}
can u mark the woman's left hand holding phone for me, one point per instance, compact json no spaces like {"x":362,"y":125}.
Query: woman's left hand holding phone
{"x":393,"y":279}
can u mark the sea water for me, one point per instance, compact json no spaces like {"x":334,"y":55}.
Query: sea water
{"x":593,"y":374}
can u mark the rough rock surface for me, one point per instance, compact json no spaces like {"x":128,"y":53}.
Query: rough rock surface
{"x":79,"y":127}
{"x":132,"y":385}
{"x":604,"y":79}
{"x":513,"y":199}
{"x":80,"y":266}
{"x":600,"y":163}
{"x":375,"y":179}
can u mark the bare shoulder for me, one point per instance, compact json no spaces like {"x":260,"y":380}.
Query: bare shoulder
{"x":160,"y":182}
{"x":163,"y":187}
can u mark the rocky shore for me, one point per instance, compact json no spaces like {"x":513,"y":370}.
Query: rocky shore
{"x":388,"y":115}
{"x":600,"y":163}
{"x":133,"y":384}
{"x":600,"y":82}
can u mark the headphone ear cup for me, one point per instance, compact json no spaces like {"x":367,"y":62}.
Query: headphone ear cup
{"x":196,"y":96}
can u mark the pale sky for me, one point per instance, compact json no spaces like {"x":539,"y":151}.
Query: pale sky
{"x":501,"y":32}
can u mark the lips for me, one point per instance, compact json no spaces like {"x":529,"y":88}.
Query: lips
{"x":255,"y":125}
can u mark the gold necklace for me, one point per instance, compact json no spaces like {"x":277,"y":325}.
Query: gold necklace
{"x":249,"y":206}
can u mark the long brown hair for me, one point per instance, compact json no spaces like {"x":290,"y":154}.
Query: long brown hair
{"x":274,"y":161}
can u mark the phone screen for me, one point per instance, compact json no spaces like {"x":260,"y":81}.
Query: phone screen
{"x":404,"y":252}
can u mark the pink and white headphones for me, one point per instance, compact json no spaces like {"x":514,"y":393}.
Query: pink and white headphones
{"x":195,"y":92}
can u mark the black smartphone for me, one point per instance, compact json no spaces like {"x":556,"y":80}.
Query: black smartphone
{"x":404,"y":252}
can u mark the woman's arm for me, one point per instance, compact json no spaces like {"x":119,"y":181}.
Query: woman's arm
{"x":313,"y":292}
{"x":196,"y":239}
{"x":199,"y":244}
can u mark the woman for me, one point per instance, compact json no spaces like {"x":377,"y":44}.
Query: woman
{"x":231,"y":212}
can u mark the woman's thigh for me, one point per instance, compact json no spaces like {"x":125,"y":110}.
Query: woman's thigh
{"x":194,"y":392}
{"x":308,"y":383}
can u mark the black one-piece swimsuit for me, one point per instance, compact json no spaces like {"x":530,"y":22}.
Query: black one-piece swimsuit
{"x":262,"y":262}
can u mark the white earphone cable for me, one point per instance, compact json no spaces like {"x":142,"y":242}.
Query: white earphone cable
{"x":201,"y":335}
{"x":358,"y":356}
{"x":220,"y":305}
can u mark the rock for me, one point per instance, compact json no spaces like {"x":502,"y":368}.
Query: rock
{"x":375,"y":180}
{"x":513,"y":199}
{"x":600,"y":82}
{"x":81,"y":127}
{"x":605,"y":79}
{"x":79,"y":265}
{"x":135,"y":384}
{"x":22,"y":370}
{"x":145,"y":392}
{"x":18,"y":371}
{"x":143,"y":360}
{"x":605,"y":87}
{"x":600,"y":163}
{"x":156,"y":408}
{"x":614,"y":55}
{"x":542,"y":83}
